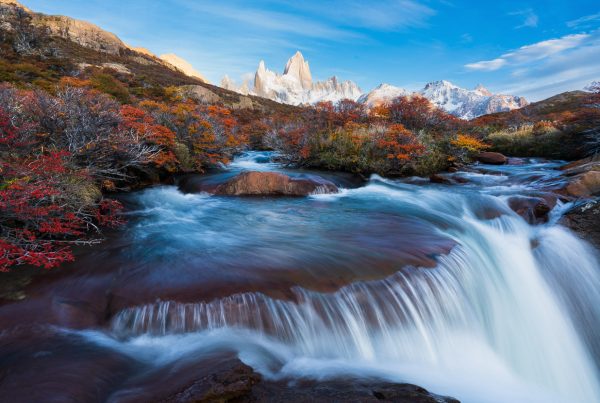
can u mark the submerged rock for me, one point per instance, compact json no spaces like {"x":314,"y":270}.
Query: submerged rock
{"x":492,"y":158}
{"x":274,"y":184}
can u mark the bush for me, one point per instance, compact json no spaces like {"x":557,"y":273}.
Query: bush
{"x":109,"y":85}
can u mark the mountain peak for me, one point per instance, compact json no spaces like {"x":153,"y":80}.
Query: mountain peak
{"x":482,"y":90}
{"x":297,"y":67}
{"x":182,"y":65}
{"x":14,"y":3}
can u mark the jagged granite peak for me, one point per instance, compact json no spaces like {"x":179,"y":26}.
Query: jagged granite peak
{"x":182,"y":65}
{"x":297,"y":67}
{"x":296,"y":86}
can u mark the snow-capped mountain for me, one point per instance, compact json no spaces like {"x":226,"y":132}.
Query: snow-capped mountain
{"x":295,"y":86}
{"x":468,"y":104}
{"x":383,"y":94}
{"x":463,"y":103}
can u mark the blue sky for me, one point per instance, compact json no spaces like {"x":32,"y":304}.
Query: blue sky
{"x":535,"y":49}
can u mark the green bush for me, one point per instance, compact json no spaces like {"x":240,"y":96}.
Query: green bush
{"x":109,"y":85}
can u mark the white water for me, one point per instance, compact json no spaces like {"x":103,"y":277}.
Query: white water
{"x":511,"y":314}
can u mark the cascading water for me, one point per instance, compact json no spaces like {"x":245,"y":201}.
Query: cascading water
{"x":511,"y":314}
{"x":401,"y":280}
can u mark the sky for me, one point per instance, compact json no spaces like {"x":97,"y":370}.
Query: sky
{"x":534,"y":49}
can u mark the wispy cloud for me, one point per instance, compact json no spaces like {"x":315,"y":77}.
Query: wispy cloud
{"x":384,"y":15}
{"x":531,"y":53}
{"x":548,"y":67}
{"x":584,"y":22}
{"x":529,"y":18}
{"x":271,"y":20}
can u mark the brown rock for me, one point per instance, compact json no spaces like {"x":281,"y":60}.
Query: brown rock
{"x":584,"y":185}
{"x":492,"y":158}
{"x":437,"y":178}
{"x":345,"y":390}
{"x":274,"y":184}
{"x":533,"y":209}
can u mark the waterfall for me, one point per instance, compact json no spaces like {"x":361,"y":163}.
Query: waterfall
{"x":501,"y":304}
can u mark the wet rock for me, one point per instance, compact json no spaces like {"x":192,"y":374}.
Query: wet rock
{"x":437,"y":178}
{"x":229,"y":380}
{"x":534,"y":210}
{"x":492,"y":158}
{"x":584,"y":220}
{"x":345,"y":390}
{"x":274,"y":184}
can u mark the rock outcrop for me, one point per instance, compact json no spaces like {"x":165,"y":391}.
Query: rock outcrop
{"x":274,"y":184}
{"x":183,"y":65}
{"x":232,"y":380}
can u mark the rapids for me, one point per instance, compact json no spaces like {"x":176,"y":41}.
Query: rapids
{"x":439,"y":285}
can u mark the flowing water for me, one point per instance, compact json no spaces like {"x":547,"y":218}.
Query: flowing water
{"x":443,"y":286}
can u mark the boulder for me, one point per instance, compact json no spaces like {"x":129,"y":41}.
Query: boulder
{"x":274,"y":184}
{"x":534,"y":210}
{"x":586,"y":184}
{"x":492,"y":158}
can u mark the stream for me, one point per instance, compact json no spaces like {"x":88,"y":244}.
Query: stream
{"x":404,"y":280}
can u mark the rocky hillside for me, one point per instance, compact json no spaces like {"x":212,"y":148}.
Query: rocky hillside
{"x":39,"y":49}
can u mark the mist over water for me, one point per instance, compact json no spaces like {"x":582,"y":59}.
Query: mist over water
{"x":442,"y":286}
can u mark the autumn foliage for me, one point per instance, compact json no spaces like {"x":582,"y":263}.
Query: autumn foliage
{"x":58,"y":152}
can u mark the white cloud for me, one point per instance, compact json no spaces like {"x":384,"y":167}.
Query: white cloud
{"x":531,"y":53}
{"x":487,"y":65}
{"x":548,"y":67}
{"x":530,"y":19}
{"x":584,"y":21}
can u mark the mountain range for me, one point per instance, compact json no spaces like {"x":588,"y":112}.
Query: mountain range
{"x":296,"y":87}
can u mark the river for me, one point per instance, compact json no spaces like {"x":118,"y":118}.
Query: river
{"x":440,"y":285}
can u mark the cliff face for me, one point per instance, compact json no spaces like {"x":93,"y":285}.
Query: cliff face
{"x":83,"y":33}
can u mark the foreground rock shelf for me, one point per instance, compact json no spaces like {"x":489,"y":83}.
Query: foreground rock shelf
{"x":232,"y":381}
